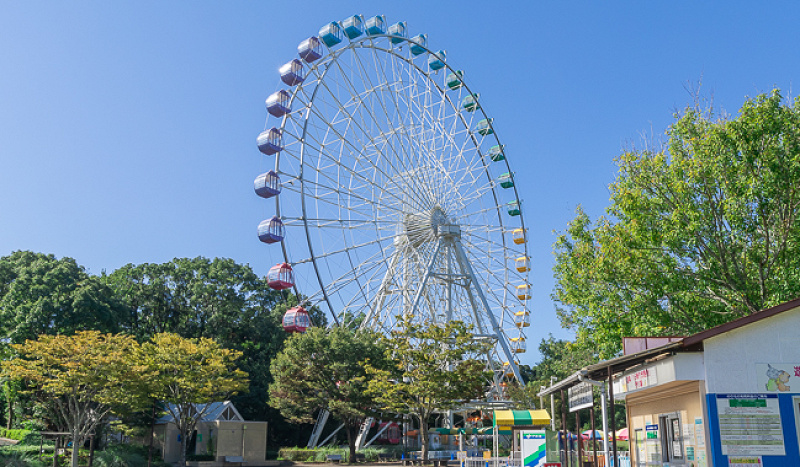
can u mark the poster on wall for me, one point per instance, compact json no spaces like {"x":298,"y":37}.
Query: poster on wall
{"x":778,"y":377}
{"x":750,"y":425}
{"x":532,"y":447}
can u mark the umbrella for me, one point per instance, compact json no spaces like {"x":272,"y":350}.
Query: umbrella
{"x":622,"y":434}
{"x":589,"y":435}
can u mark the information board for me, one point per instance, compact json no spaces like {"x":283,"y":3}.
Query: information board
{"x":750,"y":425}
{"x":580,"y":396}
{"x":532,"y":447}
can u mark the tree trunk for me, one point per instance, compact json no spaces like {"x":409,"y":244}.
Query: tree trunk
{"x":351,"y":442}
{"x":182,"y":458}
{"x":423,"y":433}
{"x":75,"y":446}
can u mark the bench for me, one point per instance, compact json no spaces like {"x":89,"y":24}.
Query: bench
{"x":333,"y":458}
{"x":233,"y":460}
{"x":386,"y":457}
{"x":361,"y":457}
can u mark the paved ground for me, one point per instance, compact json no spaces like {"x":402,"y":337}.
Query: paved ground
{"x":7,"y":442}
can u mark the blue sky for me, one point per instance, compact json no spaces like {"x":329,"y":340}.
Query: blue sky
{"x":127,"y":129}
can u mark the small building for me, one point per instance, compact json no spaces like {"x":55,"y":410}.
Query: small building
{"x":727,"y":396}
{"x":222,"y":433}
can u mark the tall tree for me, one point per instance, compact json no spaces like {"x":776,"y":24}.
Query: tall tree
{"x":699,"y":232}
{"x":188,"y":374}
{"x":40,"y":294}
{"x":435,"y":368}
{"x":325,"y":369}
{"x":217,"y":299}
{"x":82,"y":377}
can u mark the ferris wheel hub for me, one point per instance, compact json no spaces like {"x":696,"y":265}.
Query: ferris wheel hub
{"x":421,"y":227}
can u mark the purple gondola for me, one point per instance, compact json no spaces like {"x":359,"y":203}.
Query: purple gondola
{"x":310,"y":49}
{"x":292,"y":73}
{"x":268,"y":184}
{"x":269,"y":142}
{"x":271,"y":230}
{"x":278,"y":103}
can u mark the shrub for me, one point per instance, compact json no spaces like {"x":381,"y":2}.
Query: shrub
{"x":125,"y":455}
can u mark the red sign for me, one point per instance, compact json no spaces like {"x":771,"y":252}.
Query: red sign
{"x":552,"y":464}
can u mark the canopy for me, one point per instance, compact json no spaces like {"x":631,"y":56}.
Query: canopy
{"x":622,"y":434}
{"x":507,"y":418}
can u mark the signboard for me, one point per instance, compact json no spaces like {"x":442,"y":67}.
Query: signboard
{"x":532,"y":448}
{"x":750,"y":425}
{"x":461,"y":455}
{"x":641,"y":379}
{"x":580,"y":397}
{"x":552,"y":464}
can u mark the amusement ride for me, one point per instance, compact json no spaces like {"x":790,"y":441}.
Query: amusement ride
{"x":392,"y":193}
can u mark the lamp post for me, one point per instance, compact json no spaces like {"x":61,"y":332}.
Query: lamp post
{"x":552,"y":405}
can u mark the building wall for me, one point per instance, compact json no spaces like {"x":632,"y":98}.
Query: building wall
{"x":225,"y":437}
{"x":737,"y":363}
{"x":684,"y":397}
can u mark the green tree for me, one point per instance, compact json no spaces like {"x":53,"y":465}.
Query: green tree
{"x":188,"y":374}
{"x":217,"y":299}
{"x":40,"y":294}
{"x":436,"y":367}
{"x":325,"y":369}
{"x":82,"y":377}
{"x":699,"y":232}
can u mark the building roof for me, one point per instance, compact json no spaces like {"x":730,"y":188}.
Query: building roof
{"x":214,"y":411}
{"x":602,"y":370}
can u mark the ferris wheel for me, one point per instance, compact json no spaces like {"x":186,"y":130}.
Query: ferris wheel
{"x":392,"y":193}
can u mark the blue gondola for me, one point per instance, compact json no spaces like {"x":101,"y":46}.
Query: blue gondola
{"x":278,"y":103}
{"x":470,"y":102}
{"x":267,"y":184}
{"x":436,"y":61}
{"x":399,"y":32}
{"x":331,"y":34}
{"x":376,"y":25}
{"x":353,"y":26}
{"x":496,"y":153}
{"x":269,"y":142}
{"x":271,"y":230}
{"x":419,"y":43}
{"x":292,"y":73}
{"x":310,"y":49}
{"x":484,"y":127}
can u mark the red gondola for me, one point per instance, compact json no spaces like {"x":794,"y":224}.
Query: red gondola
{"x":296,"y":320}
{"x":280,"y":277}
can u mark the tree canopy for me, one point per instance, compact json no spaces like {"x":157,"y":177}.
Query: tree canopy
{"x":40,"y":294}
{"x":436,"y":367}
{"x":188,"y":374}
{"x":325,"y":369}
{"x":83,"y":376}
{"x":699,"y":232}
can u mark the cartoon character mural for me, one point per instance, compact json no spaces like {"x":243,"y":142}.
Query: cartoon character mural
{"x":777,"y":379}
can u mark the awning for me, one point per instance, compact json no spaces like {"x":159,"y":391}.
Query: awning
{"x":506,"y":418}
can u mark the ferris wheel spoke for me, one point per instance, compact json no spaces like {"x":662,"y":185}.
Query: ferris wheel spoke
{"x":351,"y":118}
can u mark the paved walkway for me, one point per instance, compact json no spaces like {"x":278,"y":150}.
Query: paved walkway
{"x":7,"y":442}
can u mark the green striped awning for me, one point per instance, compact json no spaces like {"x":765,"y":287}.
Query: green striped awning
{"x":507,"y":418}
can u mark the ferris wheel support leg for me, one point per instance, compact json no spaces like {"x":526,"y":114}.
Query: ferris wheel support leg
{"x":425,"y":278}
{"x":322,"y":418}
{"x":463,"y":258}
